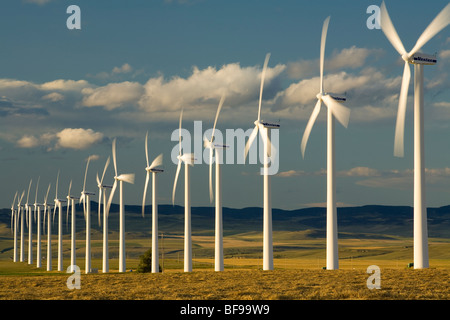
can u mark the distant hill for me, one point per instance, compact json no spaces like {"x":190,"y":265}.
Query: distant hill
{"x":375,"y":220}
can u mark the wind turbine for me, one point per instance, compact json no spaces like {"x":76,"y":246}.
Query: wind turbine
{"x":37,"y":208}
{"x":14,"y":225}
{"x":128,"y":178}
{"x":20,"y":212}
{"x":154,"y":170}
{"x":71,"y":202}
{"x":102,"y":191}
{"x":342,"y":114}
{"x":209,"y":144}
{"x":58,"y":204}
{"x":419,"y":60}
{"x":264,"y":127}
{"x":187,"y":159}
{"x":29,"y":220}
{"x":85,"y":198}
{"x":49,"y":229}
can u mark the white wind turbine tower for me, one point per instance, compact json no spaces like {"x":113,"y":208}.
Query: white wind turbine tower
{"x":37,"y":208}
{"x":102,"y":192}
{"x":29,"y":220}
{"x":342,"y":114}
{"x":85,"y":198}
{"x":154,"y":170}
{"x":187,"y":159}
{"x":20,"y":214}
{"x":47,"y":211}
{"x":209,"y":144}
{"x":71,"y":202}
{"x":128,"y":178}
{"x":264,"y":127}
{"x":14,"y":216}
{"x":58,"y":204}
{"x":419,"y":60}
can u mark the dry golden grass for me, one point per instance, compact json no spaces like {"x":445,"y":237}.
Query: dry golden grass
{"x":234,"y":284}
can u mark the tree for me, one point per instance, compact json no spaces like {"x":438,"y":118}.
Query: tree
{"x":145,"y":265}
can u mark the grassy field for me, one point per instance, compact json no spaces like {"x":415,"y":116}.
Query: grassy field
{"x":298,"y":273}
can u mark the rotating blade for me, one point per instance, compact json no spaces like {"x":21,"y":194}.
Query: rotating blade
{"x":389,"y":30}
{"x":401,"y":113}
{"x":340,"y":112}
{"x":175,"y":182}
{"x":263,"y":75}
{"x":309,"y":126}
{"x":145,"y":193}
{"x":322,"y":49}
{"x":250,"y":141}
{"x":441,"y":21}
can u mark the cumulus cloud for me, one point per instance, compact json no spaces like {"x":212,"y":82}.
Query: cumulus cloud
{"x":113,"y":95}
{"x":239,"y":84}
{"x":352,"y":58}
{"x":77,"y":138}
{"x":28,"y":141}
{"x":54,"y":97}
{"x":67,"y":138}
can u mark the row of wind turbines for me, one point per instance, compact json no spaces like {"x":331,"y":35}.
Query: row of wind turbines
{"x":336,"y":110}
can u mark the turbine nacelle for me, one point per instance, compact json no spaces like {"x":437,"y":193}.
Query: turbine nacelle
{"x":422,"y":58}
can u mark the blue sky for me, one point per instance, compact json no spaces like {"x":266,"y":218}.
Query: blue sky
{"x":66,"y":94}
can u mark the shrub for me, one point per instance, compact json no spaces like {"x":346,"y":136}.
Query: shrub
{"x":145,"y":265}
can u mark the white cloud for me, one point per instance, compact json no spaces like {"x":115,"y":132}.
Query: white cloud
{"x":352,"y":58}
{"x":113,"y":95}
{"x":240,"y":85}
{"x":67,"y":138}
{"x":77,"y":138}
{"x":65,"y":85}
{"x":28,"y":141}
{"x":125,"y":68}
{"x":54,"y":97}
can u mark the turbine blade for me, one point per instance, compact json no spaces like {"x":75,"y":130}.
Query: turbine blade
{"x":179,"y":132}
{"x":250,"y":141}
{"x":104,"y":170}
{"x":441,"y":21}
{"x":146,"y":148}
{"x":157,"y":161}
{"x":114,"y":156}
{"x":145,"y":193}
{"x":48,"y":190}
{"x":127,"y":177}
{"x":29,"y":187}
{"x":309,"y":126}
{"x":217,"y":116}
{"x":263,"y":75}
{"x":14,"y":201}
{"x":341,"y":112}
{"x":322,"y":49}
{"x":111,"y":195}
{"x":401,"y":112}
{"x":85,"y":173}
{"x":389,"y":30}
{"x":56,"y":192}
{"x":37,"y":187}
{"x":175,"y":182}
